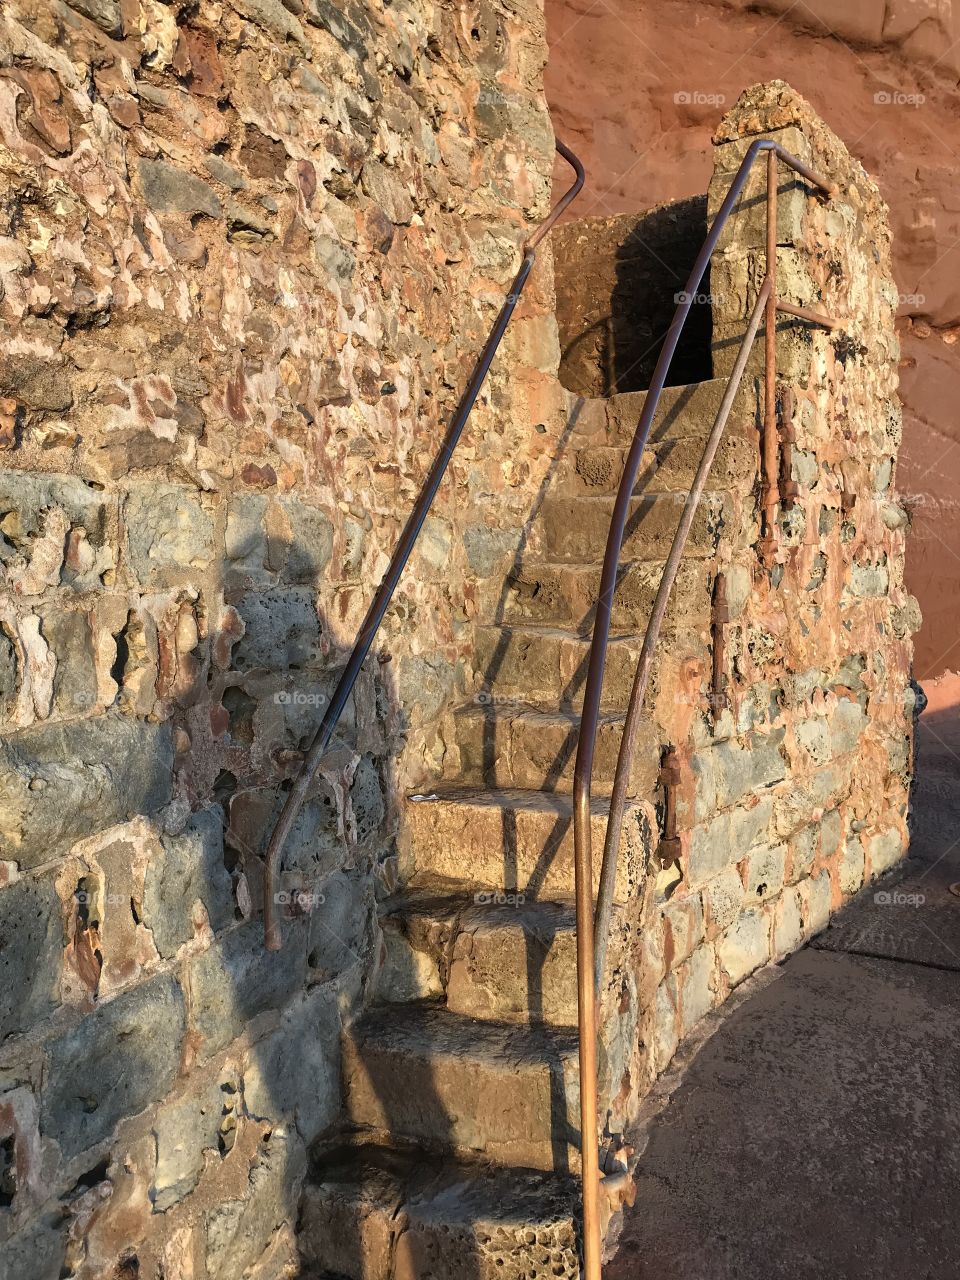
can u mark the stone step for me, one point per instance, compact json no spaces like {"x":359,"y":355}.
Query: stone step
{"x":371,"y":1212}
{"x":506,"y":743}
{"x":668,"y":465}
{"x":576,"y":529}
{"x":683,"y":413}
{"x":518,"y":841}
{"x":548,"y":665}
{"x":565,"y":595}
{"x":481,"y":952}
{"x":421,"y":1073}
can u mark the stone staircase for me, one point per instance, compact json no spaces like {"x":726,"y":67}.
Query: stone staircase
{"x":461,"y":1082}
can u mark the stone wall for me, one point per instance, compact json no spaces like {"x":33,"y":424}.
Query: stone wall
{"x":249,"y":253}
{"x":793,"y":769}
{"x":795,"y":793}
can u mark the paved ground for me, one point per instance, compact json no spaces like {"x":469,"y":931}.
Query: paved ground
{"x":817,"y":1131}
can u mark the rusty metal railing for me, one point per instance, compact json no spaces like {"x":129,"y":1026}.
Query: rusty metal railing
{"x":593,"y":924}
{"x":378,"y":606}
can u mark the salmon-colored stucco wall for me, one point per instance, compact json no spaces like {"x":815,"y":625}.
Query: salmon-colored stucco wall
{"x":638,"y":89}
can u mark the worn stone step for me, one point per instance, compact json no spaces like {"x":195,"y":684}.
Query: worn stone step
{"x":518,"y":841}
{"x":508,"y":744}
{"x":371,"y":1212}
{"x":576,"y":529}
{"x":682,"y":413}
{"x":565,"y":595}
{"x":549,"y":665}
{"x":422,"y":1073}
{"x":668,"y":465}
{"x":483,"y":953}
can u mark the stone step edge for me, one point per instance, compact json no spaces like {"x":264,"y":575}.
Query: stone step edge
{"x":429,"y":894}
{"x":387,"y":1174}
{"x":488,"y":705}
{"x":635,"y":400}
{"x":462,"y":1037}
{"x":510,"y":798}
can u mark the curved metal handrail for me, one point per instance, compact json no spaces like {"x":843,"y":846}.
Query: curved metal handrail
{"x":378,"y":606}
{"x":592,"y":932}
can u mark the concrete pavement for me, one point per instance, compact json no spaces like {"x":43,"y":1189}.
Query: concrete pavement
{"x":814,"y":1131}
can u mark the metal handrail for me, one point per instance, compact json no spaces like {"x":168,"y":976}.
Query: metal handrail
{"x":590,"y":953}
{"x":378,"y":606}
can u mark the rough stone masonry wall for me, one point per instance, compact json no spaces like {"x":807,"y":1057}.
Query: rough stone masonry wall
{"x":249,"y":252}
{"x":797,"y":794}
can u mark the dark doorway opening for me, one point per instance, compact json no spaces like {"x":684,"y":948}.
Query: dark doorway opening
{"x":618,"y":281}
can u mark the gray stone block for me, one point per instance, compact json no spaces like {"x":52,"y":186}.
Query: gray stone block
{"x":742,"y":770}
{"x":765,"y":872}
{"x":192,"y":867}
{"x":851,"y":865}
{"x":816,"y":897}
{"x":26,"y":497}
{"x":307,"y":554}
{"x":59,"y":783}
{"x":36,"y":1252}
{"x":294,"y":1074}
{"x":237,"y":979}
{"x":723,"y":898}
{"x":696,"y":995}
{"x":115,"y":1062}
{"x":886,"y":848}
{"x":339,"y":931}
{"x":238,"y":1231}
{"x":718,"y":844}
{"x":787,"y":924}
{"x":745,"y":946}
{"x":31,"y":949}
{"x":168,"y":189}
{"x":70,"y":636}
{"x":803,"y":850}
{"x":282,"y":629}
{"x":183,"y":1131}
{"x":831,"y":829}
{"x":168,"y":532}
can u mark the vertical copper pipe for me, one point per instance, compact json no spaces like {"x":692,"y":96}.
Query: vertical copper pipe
{"x":789,"y":489}
{"x":670,"y":780}
{"x":770,"y":465}
{"x":588,"y":1027}
{"x":721,"y":617}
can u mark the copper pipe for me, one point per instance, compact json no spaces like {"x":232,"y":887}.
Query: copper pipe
{"x":789,"y":489}
{"x":566,"y":199}
{"x":720,"y":619}
{"x":770,"y":483}
{"x":803,"y":313}
{"x":631,"y":728}
{"x":588,"y":1028}
{"x":378,"y":607}
{"x":670,"y":776}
